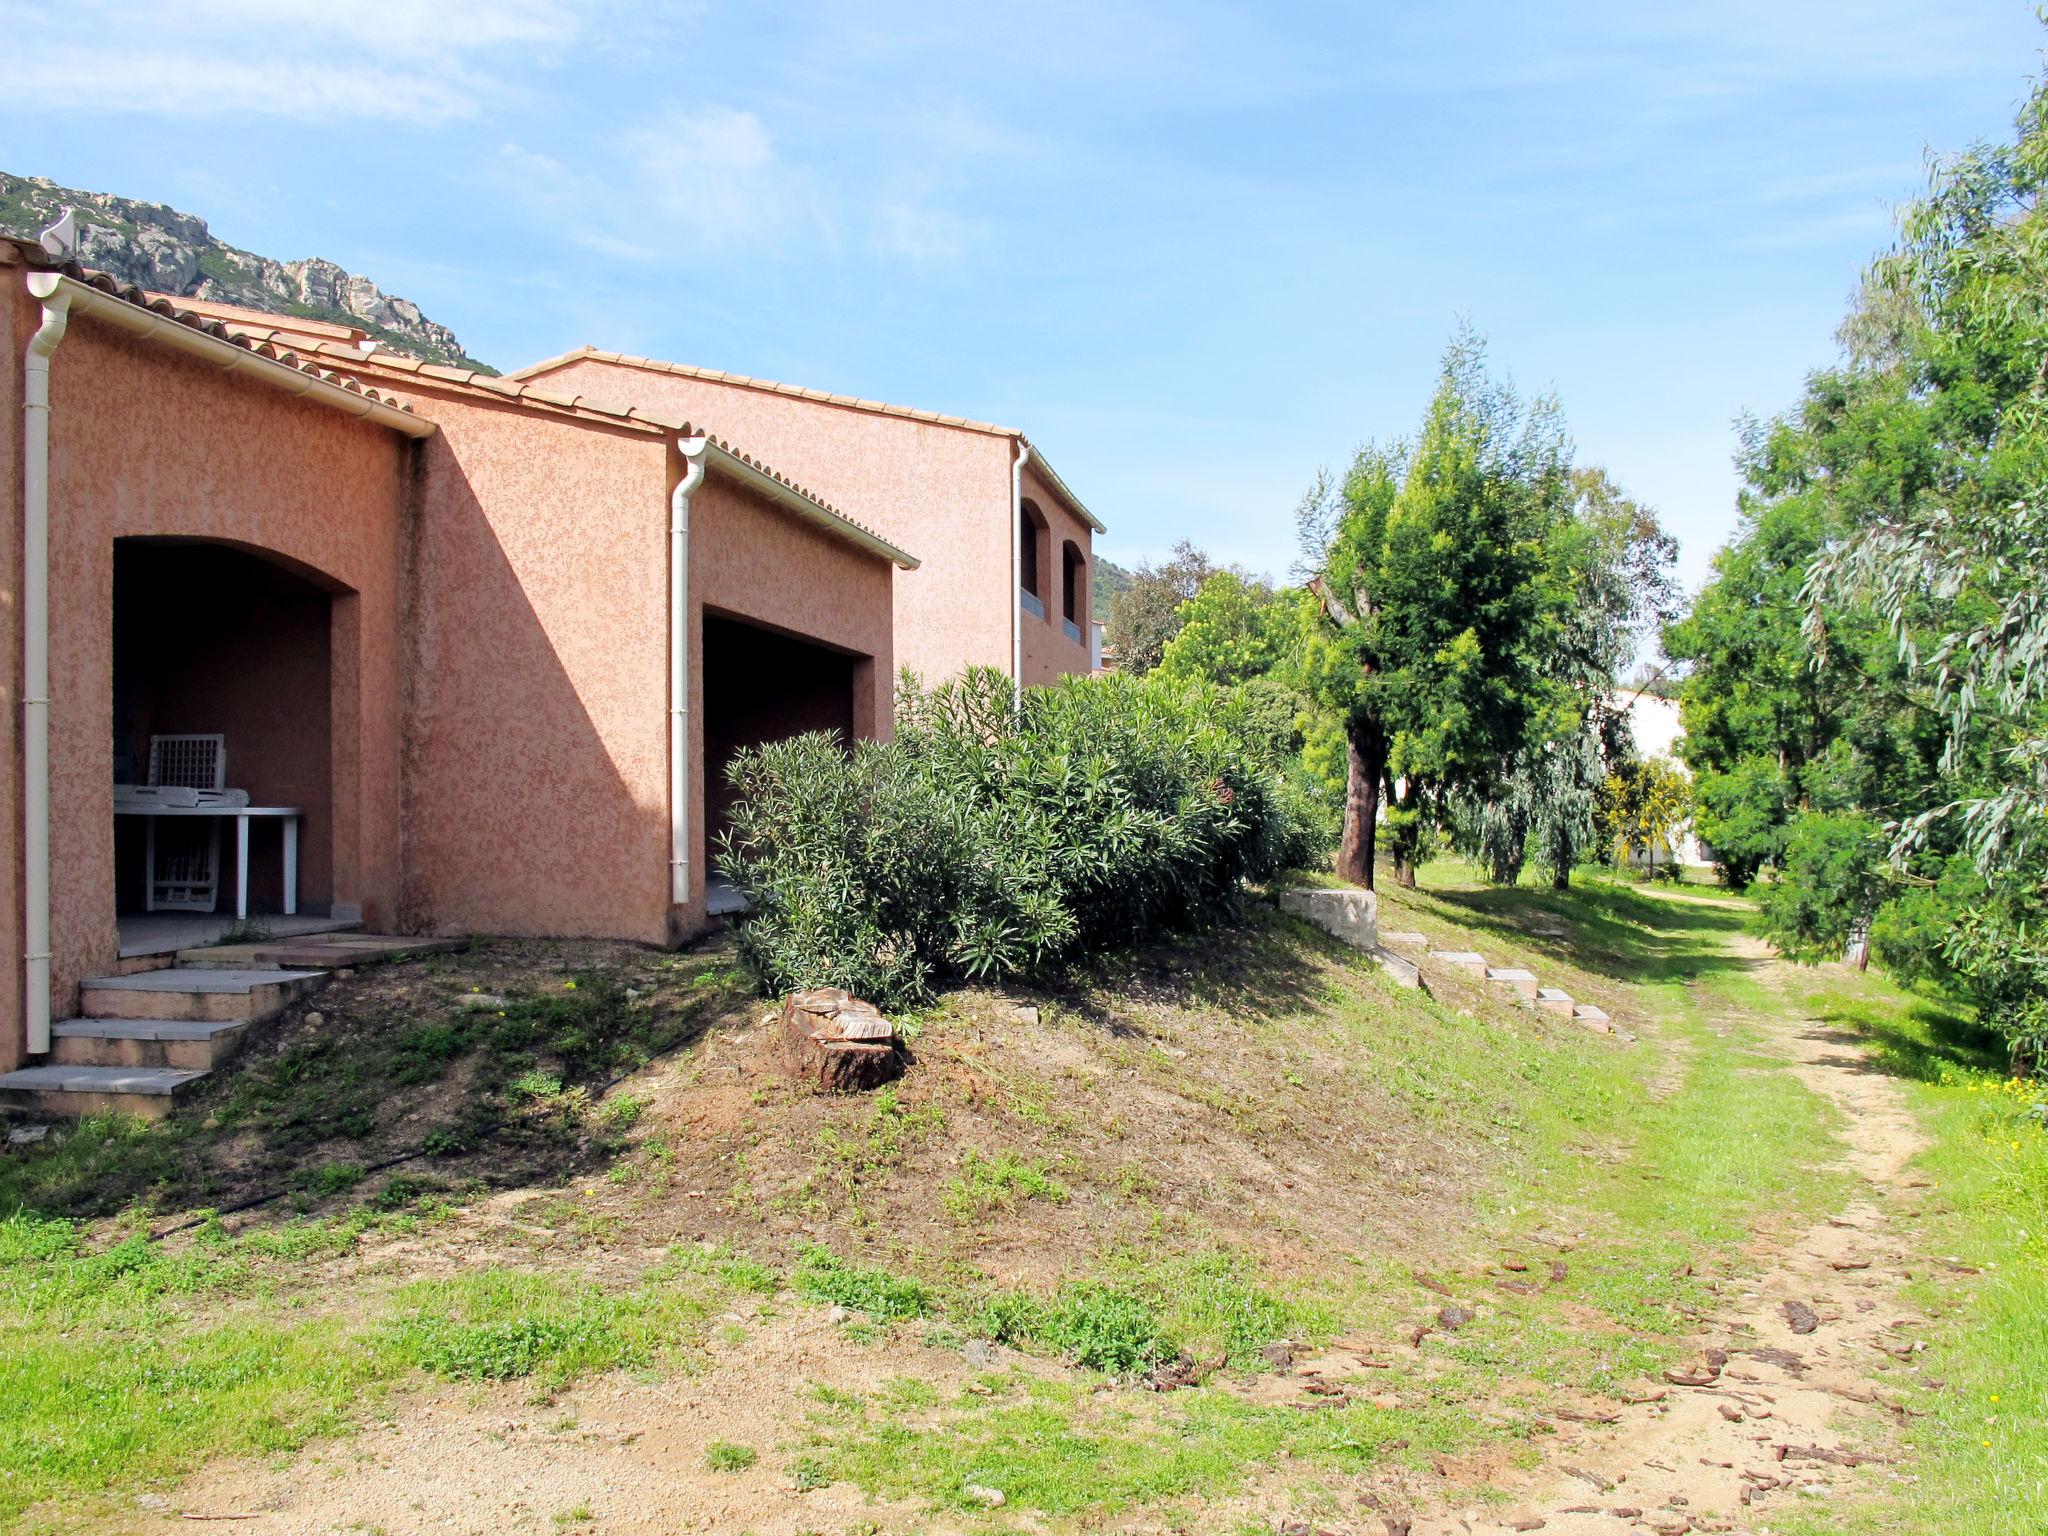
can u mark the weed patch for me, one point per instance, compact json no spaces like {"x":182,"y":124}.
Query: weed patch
{"x":823,"y":1276}
{"x":725,"y":1456}
{"x":995,"y":1183}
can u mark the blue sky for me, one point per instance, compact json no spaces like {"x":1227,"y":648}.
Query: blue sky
{"x":1195,"y":250}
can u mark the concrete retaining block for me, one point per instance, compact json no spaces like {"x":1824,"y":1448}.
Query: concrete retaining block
{"x":1352,"y":916}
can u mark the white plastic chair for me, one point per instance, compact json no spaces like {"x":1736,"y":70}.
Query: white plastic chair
{"x":186,"y":876}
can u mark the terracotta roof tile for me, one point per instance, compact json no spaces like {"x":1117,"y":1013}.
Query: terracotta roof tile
{"x":852,"y":402}
{"x":294,"y":356}
{"x":720,"y":376}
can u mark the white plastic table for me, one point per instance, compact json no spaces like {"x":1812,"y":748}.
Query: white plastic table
{"x":242,"y":816}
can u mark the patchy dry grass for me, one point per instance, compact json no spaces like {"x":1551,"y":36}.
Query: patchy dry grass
{"x":1170,"y":1163}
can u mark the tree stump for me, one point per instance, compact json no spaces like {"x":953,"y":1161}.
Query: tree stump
{"x":835,"y":1042}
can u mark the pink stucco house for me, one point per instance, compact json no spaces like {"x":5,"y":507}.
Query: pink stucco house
{"x":1005,"y":547}
{"x":476,"y":648}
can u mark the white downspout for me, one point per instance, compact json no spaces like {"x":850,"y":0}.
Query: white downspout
{"x":679,"y":668}
{"x":35,"y":669}
{"x":1017,"y":575}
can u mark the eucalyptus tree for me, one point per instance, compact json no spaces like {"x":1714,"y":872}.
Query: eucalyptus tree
{"x":1437,"y":609}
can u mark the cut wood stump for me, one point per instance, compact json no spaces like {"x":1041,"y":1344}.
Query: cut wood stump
{"x":837,"y":1043}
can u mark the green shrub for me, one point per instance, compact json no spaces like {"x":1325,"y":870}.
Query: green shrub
{"x":984,"y":841}
{"x":1830,"y":880}
{"x":1740,"y":814}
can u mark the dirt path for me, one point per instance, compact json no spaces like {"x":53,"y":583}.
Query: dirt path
{"x":1784,"y":1370}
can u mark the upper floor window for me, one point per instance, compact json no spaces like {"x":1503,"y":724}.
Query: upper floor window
{"x":1073,"y":589}
{"x":1031,"y":541}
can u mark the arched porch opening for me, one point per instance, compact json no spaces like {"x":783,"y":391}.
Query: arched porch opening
{"x":224,"y":654}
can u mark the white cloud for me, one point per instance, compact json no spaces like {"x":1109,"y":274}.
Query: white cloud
{"x":712,"y":174}
{"x":183,"y":85}
{"x":438,"y":28}
{"x":421,"y":63}
{"x":713,"y":180}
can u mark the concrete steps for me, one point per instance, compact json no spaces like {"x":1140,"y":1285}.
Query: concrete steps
{"x":1525,"y":984}
{"x":1405,"y":972}
{"x":1522,"y":983}
{"x":195,"y":994}
{"x":182,"y":1045}
{"x":1470,"y":961}
{"x":146,"y":1035}
{"x":75,"y":1091}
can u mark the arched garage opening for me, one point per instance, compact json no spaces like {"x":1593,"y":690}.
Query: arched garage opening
{"x":223,"y":687}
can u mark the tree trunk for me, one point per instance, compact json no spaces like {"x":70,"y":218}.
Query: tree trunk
{"x":1368,"y":753}
{"x":1560,"y":877}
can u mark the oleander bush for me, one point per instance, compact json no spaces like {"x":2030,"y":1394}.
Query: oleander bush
{"x":987,"y":841}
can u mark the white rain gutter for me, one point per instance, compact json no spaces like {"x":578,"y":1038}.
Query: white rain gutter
{"x":1017,"y":574}
{"x":35,"y":662}
{"x":679,"y":667}
{"x":84,"y":299}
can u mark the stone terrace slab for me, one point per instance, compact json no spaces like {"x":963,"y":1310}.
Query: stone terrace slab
{"x":222,"y":980}
{"x":325,"y":952}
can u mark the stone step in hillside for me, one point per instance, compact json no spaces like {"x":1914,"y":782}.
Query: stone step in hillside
{"x":1553,"y":1000}
{"x":1405,"y":972}
{"x":1469,"y":961}
{"x":76,"y":1091}
{"x":148,"y":1036}
{"x":196,"y":995}
{"x":1522,"y":983}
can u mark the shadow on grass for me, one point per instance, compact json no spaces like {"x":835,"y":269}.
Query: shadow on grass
{"x":1258,"y":964}
{"x":393,"y":1065}
{"x":1611,"y":929}
{"x":1928,"y":1041}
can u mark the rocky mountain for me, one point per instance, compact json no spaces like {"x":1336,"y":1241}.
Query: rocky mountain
{"x":160,"y":248}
